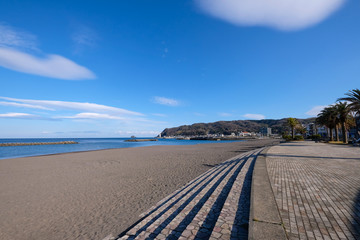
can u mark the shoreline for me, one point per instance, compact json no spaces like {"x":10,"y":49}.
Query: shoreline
{"x":83,"y":151}
{"x":91,"y":194}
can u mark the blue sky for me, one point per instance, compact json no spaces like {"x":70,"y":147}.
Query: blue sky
{"x":121,"y":68}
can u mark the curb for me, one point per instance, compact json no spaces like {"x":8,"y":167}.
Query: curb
{"x":265,"y":221}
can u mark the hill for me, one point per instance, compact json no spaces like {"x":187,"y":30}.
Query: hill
{"x":228,"y":127}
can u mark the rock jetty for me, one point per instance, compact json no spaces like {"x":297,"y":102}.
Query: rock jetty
{"x":36,"y":143}
{"x":140,"y":140}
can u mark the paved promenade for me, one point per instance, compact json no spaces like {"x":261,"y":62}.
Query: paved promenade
{"x":317,"y":189}
{"x":215,"y":205}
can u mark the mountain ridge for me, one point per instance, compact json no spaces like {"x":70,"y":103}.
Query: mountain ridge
{"x":278,"y":126}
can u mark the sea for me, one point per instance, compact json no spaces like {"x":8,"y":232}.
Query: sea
{"x":85,"y":144}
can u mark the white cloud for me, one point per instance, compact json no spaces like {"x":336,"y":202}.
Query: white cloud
{"x":199,"y":114}
{"x":223,"y":114}
{"x":159,"y":114}
{"x":79,"y":106}
{"x":279,"y":14}
{"x":46,"y":132}
{"x":166,"y":101}
{"x":83,"y":37}
{"x":24,"y":116}
{"x":10,"y":37}
{"x":24,"y":105}
{"x":138,"y":133}
{"x":254,"y":116}
{"x":16,"y":115}
{"x":86,"y":115}
{"x":13,"y":42}
{"x":53,"y":66}
{"x":315,"y":110}
{"x":71,"y":132}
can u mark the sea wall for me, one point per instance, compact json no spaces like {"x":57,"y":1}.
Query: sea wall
{"x":140,"y":140}
{"x":36,"y":143}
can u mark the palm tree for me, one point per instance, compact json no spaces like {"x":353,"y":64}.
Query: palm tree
{"x":337,"y":131}
{"x":353,"y":98}
{"x":343,"y":114}
{"x":292,"y":122}
{"x":335,"y":122}
{"x":328,"y":117}
{"x":302,"y":130}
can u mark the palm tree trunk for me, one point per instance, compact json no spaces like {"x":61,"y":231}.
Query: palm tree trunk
{"x":331,"y":135}
{"x":337,"y":133}
{"x":357,"y":121}
{"x":343,"y":128}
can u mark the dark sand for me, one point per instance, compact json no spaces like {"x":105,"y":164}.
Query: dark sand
{"x":90,"y":195}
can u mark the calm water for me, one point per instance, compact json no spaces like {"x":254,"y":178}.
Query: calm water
{"x":85,"y":144}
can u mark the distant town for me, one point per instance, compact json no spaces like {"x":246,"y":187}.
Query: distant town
{"x":306,"y":130}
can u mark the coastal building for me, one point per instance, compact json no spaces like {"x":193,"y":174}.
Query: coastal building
{"x":265,"y":131}
{"x":322,"y":131}
{"x":311,"y":129}
{"x":357,"y":121}
{"x":244,"y":134}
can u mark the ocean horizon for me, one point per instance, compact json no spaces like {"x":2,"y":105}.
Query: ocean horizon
{"x":84,"y":144}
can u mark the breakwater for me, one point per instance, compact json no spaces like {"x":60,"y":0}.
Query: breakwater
{"x":36,"y":143}
{"x":141,"y":140}
{"x":222,"y":138}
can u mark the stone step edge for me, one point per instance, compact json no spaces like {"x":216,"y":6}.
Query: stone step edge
{"x":142,"y":217}
{"x":213,"y":171}
{"x":184,"y":199}
{"x":265,"y":221}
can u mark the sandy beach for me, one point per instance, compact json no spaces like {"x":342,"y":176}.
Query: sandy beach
{"x":90,"y":195}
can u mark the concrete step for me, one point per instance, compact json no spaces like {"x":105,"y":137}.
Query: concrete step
{"x":210,"y":206}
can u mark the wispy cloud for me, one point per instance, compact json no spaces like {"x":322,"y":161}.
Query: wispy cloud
{"x":11,"y":37}
{"x":199,"y":114}
{"x":279,"y":14}
{"x":12,"y":56}
{"x":254,"y":116}
{"x":24,"y":116}
{"x":159,"y":114}
{"x":315,"y":110}
{"x":165,"y":52}
{"x":138,"y":133}
{"x":76,"y":132}
{"x":84,"y":36}
{"x":87,"y":115}
{"x":24,"y":105}
{"x":76,"y":111}
{"x":79,"y":106}
{"x":224,"y":114}
{"x":53,"y":66}
{"x":166,"y":101}
{"x":16,"y":115}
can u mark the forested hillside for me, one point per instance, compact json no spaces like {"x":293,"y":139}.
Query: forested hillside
{"x":228,"y":127}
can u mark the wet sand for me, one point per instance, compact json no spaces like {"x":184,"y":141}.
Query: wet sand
{"x":90,"y":195}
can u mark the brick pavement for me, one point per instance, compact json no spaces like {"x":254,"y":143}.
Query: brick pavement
{"x":213,"y":206}
{"x":317,"y":189}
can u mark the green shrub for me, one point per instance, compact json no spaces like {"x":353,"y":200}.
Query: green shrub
{"x":298,"y":137}
{"x":315,"y":137}
{"x":287,"y":137}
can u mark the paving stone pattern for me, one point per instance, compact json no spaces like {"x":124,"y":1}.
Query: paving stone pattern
{"x":213,"y":206}
{"x":317,"y":189}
